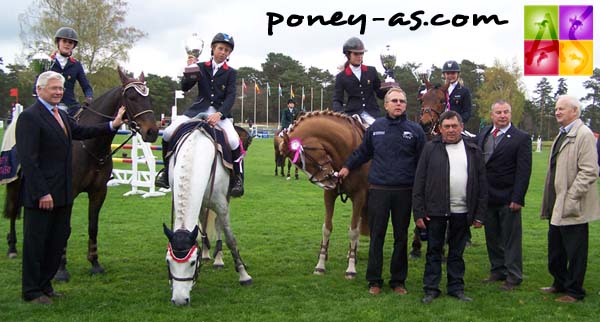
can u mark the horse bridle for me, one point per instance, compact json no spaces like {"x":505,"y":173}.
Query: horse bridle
{"x":319,"y":165}
{"x":430,"y":111}
{"x":185,"y":259}
{"x":143,"y":90}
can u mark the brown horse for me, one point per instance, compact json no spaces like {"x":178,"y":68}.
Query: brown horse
{"x":433,"y":104}
{"x":92,"y":159}
{"x":319,"y":143}
{"x":280,"y":160}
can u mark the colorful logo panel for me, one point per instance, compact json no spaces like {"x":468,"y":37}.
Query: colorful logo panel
{"x":558,"y":40}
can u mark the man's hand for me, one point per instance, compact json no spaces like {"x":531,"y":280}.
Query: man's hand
{"x":421,"y":223}
{"x":192,"y":60}
{"x":46,"y":202}
{"x":213,"y":119}
{"x":118,"y":121}
{"x":343,"y":174}
{"x":514,"y":207}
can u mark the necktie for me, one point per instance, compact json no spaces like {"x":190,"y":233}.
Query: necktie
{"x":495,"y":132}
{"x":58,"y":119}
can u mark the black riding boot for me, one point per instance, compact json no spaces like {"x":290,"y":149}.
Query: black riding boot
{"x":237,"y":180}
{"x":162,"y":177}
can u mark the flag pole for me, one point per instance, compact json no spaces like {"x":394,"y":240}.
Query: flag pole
{"x":255,"y":103}
{"x":311,"y":99}
{"x":279,"y":106}
{"x":242,"y":114}
{"x":268,"y":93}
{"x":321,"y":98}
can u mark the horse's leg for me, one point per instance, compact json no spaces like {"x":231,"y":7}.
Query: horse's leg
{"x":94,"y":206}
{"x":218,"y":254}
{"x":416,"y":245}
{"x":329,"y":197}
{"x":296,"y":172}
{"x":206,"y":238}
{"x":358,"y":206}
{"x":11,"y":211}
{"x":240,"y":267}
{"x":289,"y":166}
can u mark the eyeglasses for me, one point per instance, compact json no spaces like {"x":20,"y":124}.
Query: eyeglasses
{"x":397,"y":100}
{"x":57,"y":88}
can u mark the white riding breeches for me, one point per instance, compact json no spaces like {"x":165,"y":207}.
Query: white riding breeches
{"x":226,"y":125}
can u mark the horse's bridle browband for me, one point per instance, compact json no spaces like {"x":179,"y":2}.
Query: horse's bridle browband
{"x":183,"y":260}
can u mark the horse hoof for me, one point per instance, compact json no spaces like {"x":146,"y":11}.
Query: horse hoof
{"x":12,"y":255}
{"x":205,"y":259}
{"x":350,"y":275}
{"x":288,"y":178}
{"x":97,"y":270}
{"x":246,"y":283}
{"x":415,"y":255}
{"x":218,"y":266}
{"x":319,"y":271}
{"x":62,"y":276}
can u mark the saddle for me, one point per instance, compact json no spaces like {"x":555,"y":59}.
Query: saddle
{"x":215,"y":134}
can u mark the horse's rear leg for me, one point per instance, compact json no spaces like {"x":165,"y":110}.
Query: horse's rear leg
{"x":96,"y":200}
{"x":289,"y":166}
{"x":296,"y":172}
{"x":11,"y":211}
{"x":329,"y":198}
{"x":240,"y":267}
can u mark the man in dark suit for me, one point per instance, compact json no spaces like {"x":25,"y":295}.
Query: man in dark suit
{"x":44,"y":135}
{"x":507,"y":153}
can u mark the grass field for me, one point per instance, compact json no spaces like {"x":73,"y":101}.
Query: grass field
{"x":278,"y":228}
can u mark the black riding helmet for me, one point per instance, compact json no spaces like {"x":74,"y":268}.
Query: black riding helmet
{"x":353,"y":45}
{"x":223,"y":38}
{"x":66,"y":33}
{"x":291,"y":101}
{"x":451,"y":66}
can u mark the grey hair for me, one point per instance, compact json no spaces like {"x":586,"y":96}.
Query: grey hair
{"x":500,"y":102}
{"x":572,"y":102}
{"x":44,"y":77}
{"x":394,"y":90}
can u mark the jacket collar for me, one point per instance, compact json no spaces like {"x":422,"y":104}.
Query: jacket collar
{"x":209,"y":65}
{"x":348,"y":71}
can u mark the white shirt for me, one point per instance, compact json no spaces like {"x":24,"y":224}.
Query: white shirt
{"x":451,"y":87}
{"x":356,"y":70}
{"x":62,"y":60}
{"x":215,"y":66}
{"x":457,"y":157}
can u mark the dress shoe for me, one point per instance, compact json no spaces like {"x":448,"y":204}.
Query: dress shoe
{"x":494,"y":278}
{"x":428,"y":298}
{"x":400,"y":290}
{"x":566,"y":299}
{"x":41,"y":300}
{"x":54,"y":294}
{"x":508,"y":286}
{"x":550,"y":289}
{"x":461,"y":296}
{"x":374,"y":290}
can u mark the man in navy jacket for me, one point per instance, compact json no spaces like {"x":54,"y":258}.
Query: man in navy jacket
{"x":394,"y":144}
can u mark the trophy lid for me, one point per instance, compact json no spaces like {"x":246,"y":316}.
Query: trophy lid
{"x":388,"y":59}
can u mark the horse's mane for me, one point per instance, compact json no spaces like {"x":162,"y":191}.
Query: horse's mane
{"x":327,"y":113}
{"x":108,"y":94}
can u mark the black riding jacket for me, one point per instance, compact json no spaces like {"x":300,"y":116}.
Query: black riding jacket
{"x":394,"y":145}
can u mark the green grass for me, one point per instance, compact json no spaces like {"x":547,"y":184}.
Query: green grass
{"x":278,"y":228}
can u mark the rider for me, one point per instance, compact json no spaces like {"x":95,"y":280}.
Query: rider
{"x":361,"y":82}
{"x":216,"y":95}
{"x":289,"y":115}
{"x":66,"y":40}
{"x":458,"y":95}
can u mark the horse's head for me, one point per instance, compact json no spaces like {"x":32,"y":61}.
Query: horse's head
{"x":183,"y":262}
{"x":308,"y":154}
{"x":136,"y":99}
{"x":433,"y":103}
{"x":245,"y":137}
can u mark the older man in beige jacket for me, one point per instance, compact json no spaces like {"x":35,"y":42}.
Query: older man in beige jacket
{"x":570,"y":200}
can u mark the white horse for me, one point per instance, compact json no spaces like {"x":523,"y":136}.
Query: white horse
{"x":199,"y":182}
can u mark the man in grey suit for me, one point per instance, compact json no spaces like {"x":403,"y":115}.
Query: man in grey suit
{"x":507,"y":154}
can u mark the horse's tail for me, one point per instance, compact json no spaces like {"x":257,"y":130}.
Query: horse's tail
{"x":12,"y":203}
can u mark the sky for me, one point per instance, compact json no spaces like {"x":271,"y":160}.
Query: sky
{"x":169,"y":23}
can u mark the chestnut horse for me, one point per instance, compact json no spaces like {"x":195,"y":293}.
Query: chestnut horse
{"x":92,"y":159}
{"x":319,"y":143}
{"x":280,"y":160}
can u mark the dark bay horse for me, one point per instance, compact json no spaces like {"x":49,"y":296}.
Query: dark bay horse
{"x":319,"y":143}
{"x":92,"y":159}
{"x":280,"y":160}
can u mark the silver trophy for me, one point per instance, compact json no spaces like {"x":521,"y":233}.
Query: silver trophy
{"x":40,"y":61}
{"x":422,"y":74}
{"x":388,"y":60}
{"x":193,"y":48}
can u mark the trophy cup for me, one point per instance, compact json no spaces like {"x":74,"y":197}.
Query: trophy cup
{"x":41,"y":62}
{"x":193,"y":48}
{"x":388,"y":60}
{"x":422,"y":74}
